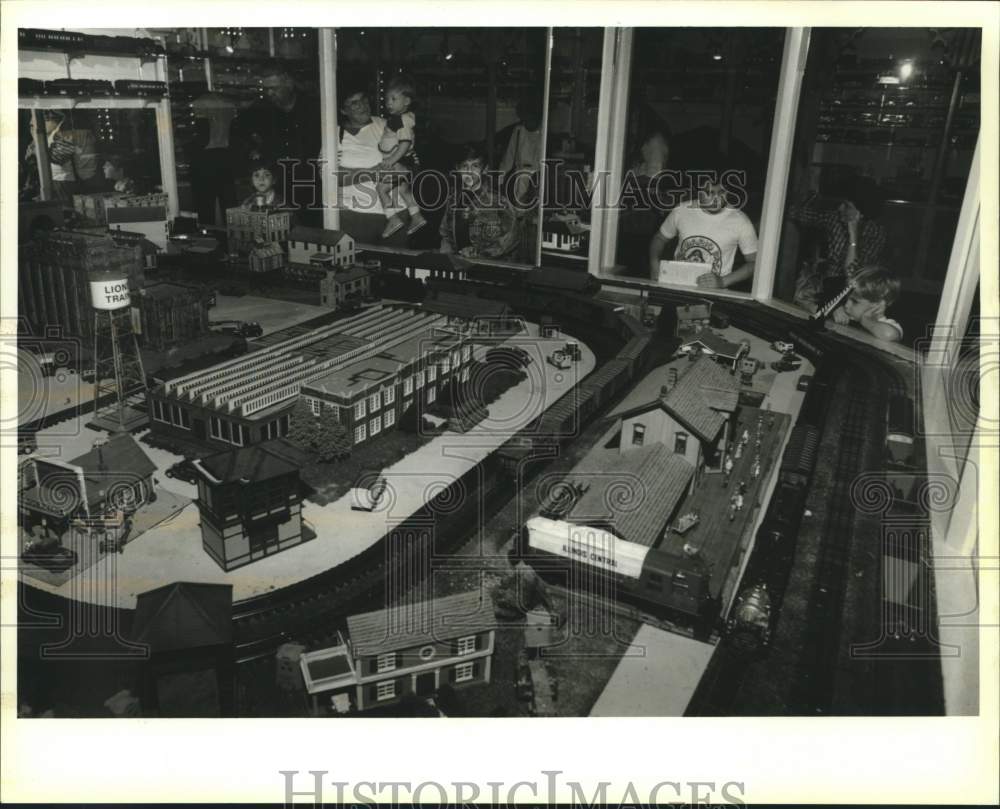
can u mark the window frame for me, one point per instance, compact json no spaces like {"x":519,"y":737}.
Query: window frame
{"x":462,"y":645}
{"x":386,"y":658}
{"x":464,"y":672}
{"x":385,"y":690}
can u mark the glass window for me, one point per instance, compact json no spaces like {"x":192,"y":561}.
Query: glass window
{"x":359,"y":410}
{"x":431,"y":394}
{"x":375,"y":426}
{"x":374,"y":401}
{"x":390,"y":417}
{"x":222,"y":109}
{"x":680,"y":443}
{"x":572,"y":136}
{"x":887,"y":125}
{"x":700,"y":108}
{"x":477,"y":105}
{"x":420,"y":379}
{"x":408,"y":386}
{"x":638,"y":434}
{"x":360,"y":433}
{"x":314,"y":405}
{"x":389,"y":395}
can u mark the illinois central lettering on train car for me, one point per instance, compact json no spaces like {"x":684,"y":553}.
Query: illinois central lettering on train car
{"x":594,"y":557}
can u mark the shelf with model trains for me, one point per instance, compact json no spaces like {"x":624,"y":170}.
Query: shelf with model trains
{"x":91,"y":88}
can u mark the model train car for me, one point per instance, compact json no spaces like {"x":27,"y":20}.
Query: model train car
{"x":134,"y":87}
{"x":76,"y":88}
{"x":73,"y":41}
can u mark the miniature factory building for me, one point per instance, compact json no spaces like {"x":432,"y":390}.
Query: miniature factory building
{"x":169,"y":314}
{"x":339,"y":286}
{"x":53,"y":275}
{"x":368,"y":369}
{"x":408,"y":649}
{"x":188,"y":628}
{"x":245,"y":229}
{"x":115,"y":475}
{"x":691,"y":417}
{"x":250,"y":503}
{"x":305,"y":244}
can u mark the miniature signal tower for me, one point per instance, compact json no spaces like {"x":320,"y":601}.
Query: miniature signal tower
{"x":118,"y":372}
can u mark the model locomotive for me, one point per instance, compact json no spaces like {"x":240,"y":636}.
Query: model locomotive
{"x":87,"y":88}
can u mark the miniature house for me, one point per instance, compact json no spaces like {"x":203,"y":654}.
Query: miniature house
{"x":188,"y":629}
{"x":563,"y":232}
{"x":116,"y":475}
{"x":250,"y":503}
{"x":305,"y":244}
{"x":691,"y":417}
{"x":340,"y":285}
{"x":408,"y":649}
{"x":710,"y":344}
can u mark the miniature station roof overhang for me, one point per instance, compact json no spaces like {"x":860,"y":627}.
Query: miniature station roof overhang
{"x":633,"y":494}
{"x":270,"y":459}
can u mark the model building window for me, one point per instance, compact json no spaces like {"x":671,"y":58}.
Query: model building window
{"x":467,"y":645}
{"x":158,"y":410}
{"x":374,"y":401}
{"x":386,"y":662}
{"x":466,"y":352}
{"x":390,"y":418}
{"x":432,"y":373}
{"x":638,"y":434}
{"x":445,"y":365}
{"x":465,"y":374}
{"x":680,"y":443}
{"x":389,"y":395}
{"x":227,"y":431}
{"x":431,"y":394}
{"x":386,"y":690}
{"x":360,"y":433}
{"x":464,"y":671}
{"x":214,"y":427}
{"x":420,"y":379}
{"x":375,"y":426}
{"x":313,"y":405}
{"x":408,"y":386}
{"x":181,"y":417}
{"x":359,"y":410}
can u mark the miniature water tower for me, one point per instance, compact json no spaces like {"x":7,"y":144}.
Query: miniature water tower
{"x":119,"y":380}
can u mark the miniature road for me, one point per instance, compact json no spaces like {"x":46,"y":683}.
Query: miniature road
{"x":655,"y":677}
{"x":173,"y":551}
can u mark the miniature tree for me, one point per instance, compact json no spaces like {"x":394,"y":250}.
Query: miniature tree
{"x":332,"y":440}
{"x":303,"y":426}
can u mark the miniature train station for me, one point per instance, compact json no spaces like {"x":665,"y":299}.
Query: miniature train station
{"x":317,"y":448}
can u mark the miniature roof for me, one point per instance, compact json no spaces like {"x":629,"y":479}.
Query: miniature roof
{"x":349,"y":274}
{"x":317,"y":235}
{"x":139,"y":213}
{"x":166,"y":289}
{"x":562,"y":228}
{"x":634,"y":492}
{"x":184,"y":615}
{"x":413,"y":624}
{"x":266,"y":250}
{"x":694,"y":311}
{"x":120,"y":461}
{"x":699,"y":400}
{"x":714,"y":343}
{"x":453,"y":304}
{"x":264,"y":461}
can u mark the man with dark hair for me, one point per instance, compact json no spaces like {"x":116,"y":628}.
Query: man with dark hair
{"x":852,"y":237}
{"x":285,"y":129}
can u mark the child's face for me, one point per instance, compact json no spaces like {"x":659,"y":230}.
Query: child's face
{"x":263,"y":181}
{"x":856,"y":307}
{"x":471,"y":172}
{"x":396,"y":102}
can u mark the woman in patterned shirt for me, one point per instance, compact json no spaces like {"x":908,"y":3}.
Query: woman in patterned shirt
{"x":853,"y":238}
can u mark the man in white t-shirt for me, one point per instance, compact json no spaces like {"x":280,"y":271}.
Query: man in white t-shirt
{"x":361,"y":213}
{"x":708,"y":231}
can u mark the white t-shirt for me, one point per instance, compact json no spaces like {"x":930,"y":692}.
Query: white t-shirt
{"x":361,"y":151}
{"x":711,"y":238}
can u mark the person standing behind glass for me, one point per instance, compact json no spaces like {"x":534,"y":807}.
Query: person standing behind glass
{"x":72,"y":156}
{"x":211,"y":157}
{"x":644,"y":210}
{"x":523,"y":155}
{"x":853,"y":238}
